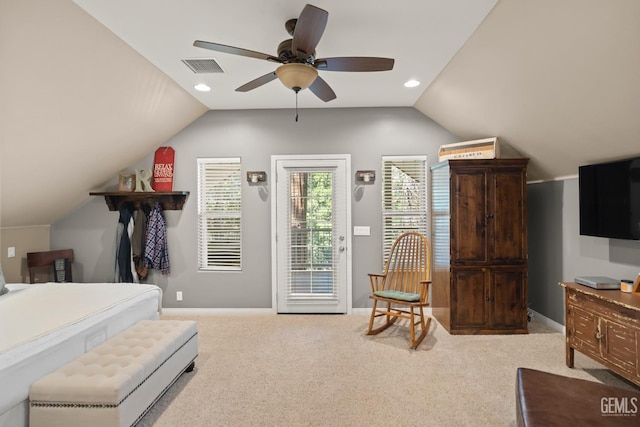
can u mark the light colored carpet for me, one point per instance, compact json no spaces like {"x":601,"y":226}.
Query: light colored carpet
{"x":321,"y":370}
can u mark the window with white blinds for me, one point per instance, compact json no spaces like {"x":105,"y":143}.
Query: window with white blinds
{"x":219,"y":214}
{"x":404,"y":198}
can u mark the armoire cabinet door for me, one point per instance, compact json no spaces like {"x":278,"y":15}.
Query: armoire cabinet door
{"x":507,"y":217}
{"x":469,"y":298}
{"x":469,"y":217}
{"x":508,"y":298}
{"x":492,"y":298}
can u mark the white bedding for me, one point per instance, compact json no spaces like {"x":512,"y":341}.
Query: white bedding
{"x":45,"y":326}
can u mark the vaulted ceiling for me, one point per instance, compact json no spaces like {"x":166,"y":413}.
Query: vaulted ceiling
{"x":88,"y":90}
{"x":422,"y":36}
{"x":77,"y":105}
{"x":557,"y":80}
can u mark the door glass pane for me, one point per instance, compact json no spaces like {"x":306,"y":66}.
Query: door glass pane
{"x":311,"y":272}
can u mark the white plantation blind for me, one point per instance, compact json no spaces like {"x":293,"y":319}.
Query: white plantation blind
{"x":311,"y":258}
{"x":440,"y":215}
{"x":219,"y":214}
{"x":404,"y":198}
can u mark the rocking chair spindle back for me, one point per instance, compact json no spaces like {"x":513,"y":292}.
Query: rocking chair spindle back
{"x":403,"y":286}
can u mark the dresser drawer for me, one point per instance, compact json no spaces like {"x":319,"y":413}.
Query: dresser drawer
{"x":605,"y":308}
{"x":582,"y":330}
{"x":620,"y":345}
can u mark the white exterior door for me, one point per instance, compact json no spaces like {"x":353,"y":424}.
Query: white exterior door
{"x":311,"y":234}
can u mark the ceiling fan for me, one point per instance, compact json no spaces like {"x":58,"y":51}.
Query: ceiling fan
{"x":299,"y":64}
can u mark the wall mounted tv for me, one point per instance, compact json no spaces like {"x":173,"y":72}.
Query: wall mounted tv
{"x":610,"y":199}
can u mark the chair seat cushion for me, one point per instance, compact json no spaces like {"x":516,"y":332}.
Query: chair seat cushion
{"x":402,"y":296}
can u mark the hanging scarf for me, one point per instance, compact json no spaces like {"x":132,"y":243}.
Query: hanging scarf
{"x":123,"y":247}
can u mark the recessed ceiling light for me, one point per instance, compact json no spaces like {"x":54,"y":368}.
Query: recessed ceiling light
{"x":201,"y":87}
{"x":412,"y":83}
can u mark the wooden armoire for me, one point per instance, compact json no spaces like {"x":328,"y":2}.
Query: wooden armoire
{"x":479,"y":240}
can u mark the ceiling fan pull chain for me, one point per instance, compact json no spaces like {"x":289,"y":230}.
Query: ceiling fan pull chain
{"x":297,"y":105}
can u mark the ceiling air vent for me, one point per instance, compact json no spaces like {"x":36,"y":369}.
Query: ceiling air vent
{"x":200,"y":66}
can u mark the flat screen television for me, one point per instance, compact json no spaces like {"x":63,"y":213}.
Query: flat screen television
{"x":610,"y":199}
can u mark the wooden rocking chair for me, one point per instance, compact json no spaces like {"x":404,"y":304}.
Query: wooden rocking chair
{"x":404,"y":286}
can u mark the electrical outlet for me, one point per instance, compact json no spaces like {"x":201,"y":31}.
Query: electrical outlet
{"x":179,"y":296}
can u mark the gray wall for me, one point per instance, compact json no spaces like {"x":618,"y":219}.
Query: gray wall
{"x":365,"y":134}
{"x":557,"y":252}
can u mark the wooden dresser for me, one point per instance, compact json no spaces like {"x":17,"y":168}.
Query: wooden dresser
{"x":604,"y":325}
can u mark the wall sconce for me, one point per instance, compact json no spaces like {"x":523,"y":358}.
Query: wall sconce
{"x":254,"y":177}
{"x":366,"y":177}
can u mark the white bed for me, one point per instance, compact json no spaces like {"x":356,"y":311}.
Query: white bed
{"x":45,"y":326}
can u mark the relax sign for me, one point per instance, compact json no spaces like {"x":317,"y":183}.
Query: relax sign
{"x":163,"y":168}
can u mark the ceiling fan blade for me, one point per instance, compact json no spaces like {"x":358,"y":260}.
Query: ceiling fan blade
{"x":308,"y":31}
{"x":322,"y":90}
{"x":257,"y":82}
{"x":235,"y":50}
{"x":354,"y":63}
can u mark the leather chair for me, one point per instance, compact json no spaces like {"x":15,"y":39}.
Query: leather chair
{"x":44,"y":261}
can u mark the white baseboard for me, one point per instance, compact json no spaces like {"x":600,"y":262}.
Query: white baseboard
{"x":359,"y":311}
{"x":548,"y":322}
{"x":215,"y":311}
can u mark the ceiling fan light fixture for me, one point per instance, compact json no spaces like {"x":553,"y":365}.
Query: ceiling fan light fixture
{"x":296,"y":76}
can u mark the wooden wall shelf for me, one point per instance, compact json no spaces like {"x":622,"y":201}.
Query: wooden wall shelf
{"x":173,"y":200}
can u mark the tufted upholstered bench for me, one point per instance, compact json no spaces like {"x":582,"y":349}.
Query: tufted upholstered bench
{"x":117,"y":382}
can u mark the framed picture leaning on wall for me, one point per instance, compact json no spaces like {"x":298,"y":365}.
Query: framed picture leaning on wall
{"x":127,"y":182}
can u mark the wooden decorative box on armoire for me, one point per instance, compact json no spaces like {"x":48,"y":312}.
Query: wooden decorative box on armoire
{"x":479,"y":240}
